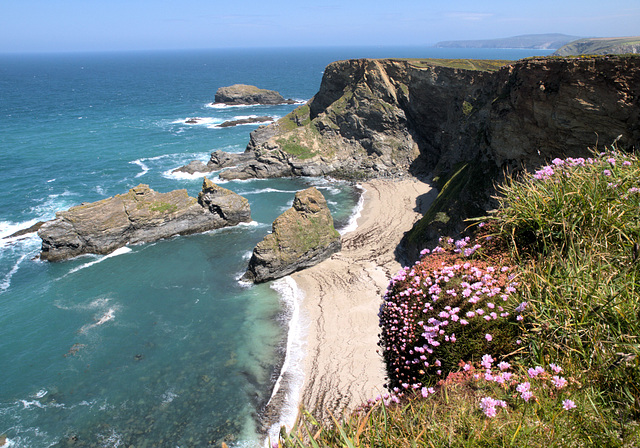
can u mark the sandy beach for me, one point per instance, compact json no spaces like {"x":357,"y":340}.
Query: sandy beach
{"x":342,"y":296}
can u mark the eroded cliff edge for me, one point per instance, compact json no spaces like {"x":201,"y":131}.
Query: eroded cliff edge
{"x":479,"y":119}
{"x":389,"y":117}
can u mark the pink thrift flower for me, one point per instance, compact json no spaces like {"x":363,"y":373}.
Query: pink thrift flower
{"x":488,"y":337}
{"x":526,"y":396}
{"x":568,"y":405}
{"x":555,"y":368}
{"x":487,"y":360}
{"x":559,"y":382}
{"x":504,"y":365}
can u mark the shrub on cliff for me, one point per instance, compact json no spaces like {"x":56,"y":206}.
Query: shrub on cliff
{"x":448,"y":307}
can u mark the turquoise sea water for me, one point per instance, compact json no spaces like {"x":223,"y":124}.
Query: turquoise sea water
{"x":156,"y":344}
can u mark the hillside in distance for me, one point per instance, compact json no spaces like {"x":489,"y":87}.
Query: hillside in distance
{"x":532,"y":41}
{"x":600,"y":46}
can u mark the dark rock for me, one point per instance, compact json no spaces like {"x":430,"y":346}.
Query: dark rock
{"x":34,"y":228}
{"x":301,"y":237}
{"x":139,"y":216}
{"x":239,"y":94}
{"x":195,"y":166}
{"x":231,"y":123}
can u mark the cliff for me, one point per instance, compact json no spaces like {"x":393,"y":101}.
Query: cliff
{"x":600,"y":46}
{"x":472,"y":119}
{"x":389,"y":117}
{"x":301,"y":237}
{"x":139,"y":216}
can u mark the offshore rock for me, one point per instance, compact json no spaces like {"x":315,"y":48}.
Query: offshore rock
{"x":301,"y":237}
{"x":141,"y":215}
{"x":242,"y":94}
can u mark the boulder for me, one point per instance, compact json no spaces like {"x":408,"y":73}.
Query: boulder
{"x":195,"y":166}
{"x":301,"y":237}
{"x":141,"y":215}
{"x":239,"y":94}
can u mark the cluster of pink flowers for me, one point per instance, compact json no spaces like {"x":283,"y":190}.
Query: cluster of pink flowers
{"x":516,"y":385}
{"x":428,"y":305}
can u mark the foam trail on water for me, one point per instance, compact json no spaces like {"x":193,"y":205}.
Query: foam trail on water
{"x":6,"y":282}
{"x":179,"y":175}
{"x":141,"y":164}
{"x":120,"y":251}
{"x":292,"y":369}
{"x":353,"y":220}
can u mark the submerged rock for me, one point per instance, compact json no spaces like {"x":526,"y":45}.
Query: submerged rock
{"x":141,"y":215}
{"x":301,"y":237}
{"x":239,"y":94}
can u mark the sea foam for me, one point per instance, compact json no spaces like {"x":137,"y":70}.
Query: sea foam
{"x":353,"y":220}
{"x":292,"y":372}
{"x":119,"y":251}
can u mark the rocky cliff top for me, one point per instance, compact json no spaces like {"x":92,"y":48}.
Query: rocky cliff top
{"x":239,"y":94}
{"x":138,"y":216}
{"x":301,"y":237}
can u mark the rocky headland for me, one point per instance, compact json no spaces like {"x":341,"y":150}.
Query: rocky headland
{"x":242,"y":94}
{"x":141,"y":215}
{"x":477,"y":119}
{"x":600,"y":46}
{"x":301,"y":237}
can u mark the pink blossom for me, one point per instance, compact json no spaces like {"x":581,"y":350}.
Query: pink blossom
{"x":568,"y":405}
{"x":555,"y":368}
{"x":488,"y":337}
{"x":504,"y":365}
{"x":559,"y":382}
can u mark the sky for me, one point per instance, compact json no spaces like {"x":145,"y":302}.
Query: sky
{"x":113,"y":25}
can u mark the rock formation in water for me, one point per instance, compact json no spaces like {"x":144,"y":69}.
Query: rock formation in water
{"x":242,"y":94}
{"x":301,"y":237}
{"x":141,"y":215}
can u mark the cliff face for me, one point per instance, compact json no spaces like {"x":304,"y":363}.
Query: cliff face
{"x":389,"y":117}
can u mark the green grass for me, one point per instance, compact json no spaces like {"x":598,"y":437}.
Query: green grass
{"x":572,"y":232}
{"x":485,"y":65}
{"x":163,"y":207}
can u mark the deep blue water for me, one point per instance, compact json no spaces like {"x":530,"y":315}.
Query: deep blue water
{"x":157,"y":344}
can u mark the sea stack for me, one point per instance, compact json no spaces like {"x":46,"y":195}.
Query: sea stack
{"x":242,"y":94}
{"x":141,"y":215}
{"x":301,"y":237}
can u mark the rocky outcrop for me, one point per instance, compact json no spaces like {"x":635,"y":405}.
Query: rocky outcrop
{"x":389,"y":117}
{"x":139,"y":216}
{"x":301,"y":237}
{"x":242,"y":94}
{"x":240,"y":121}
{"x":217,"y":161}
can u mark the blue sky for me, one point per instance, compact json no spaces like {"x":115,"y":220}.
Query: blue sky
{"x":99,"y":25}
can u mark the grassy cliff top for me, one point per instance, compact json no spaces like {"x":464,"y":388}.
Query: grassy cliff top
{"x":601,"y":45}
{"x":487,"y":65}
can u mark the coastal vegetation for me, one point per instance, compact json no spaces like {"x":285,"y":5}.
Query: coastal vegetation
{"x":600,"y":45}
{"x":525,"y":334}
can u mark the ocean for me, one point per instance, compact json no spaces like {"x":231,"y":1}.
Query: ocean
{"x":156,"y":344}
